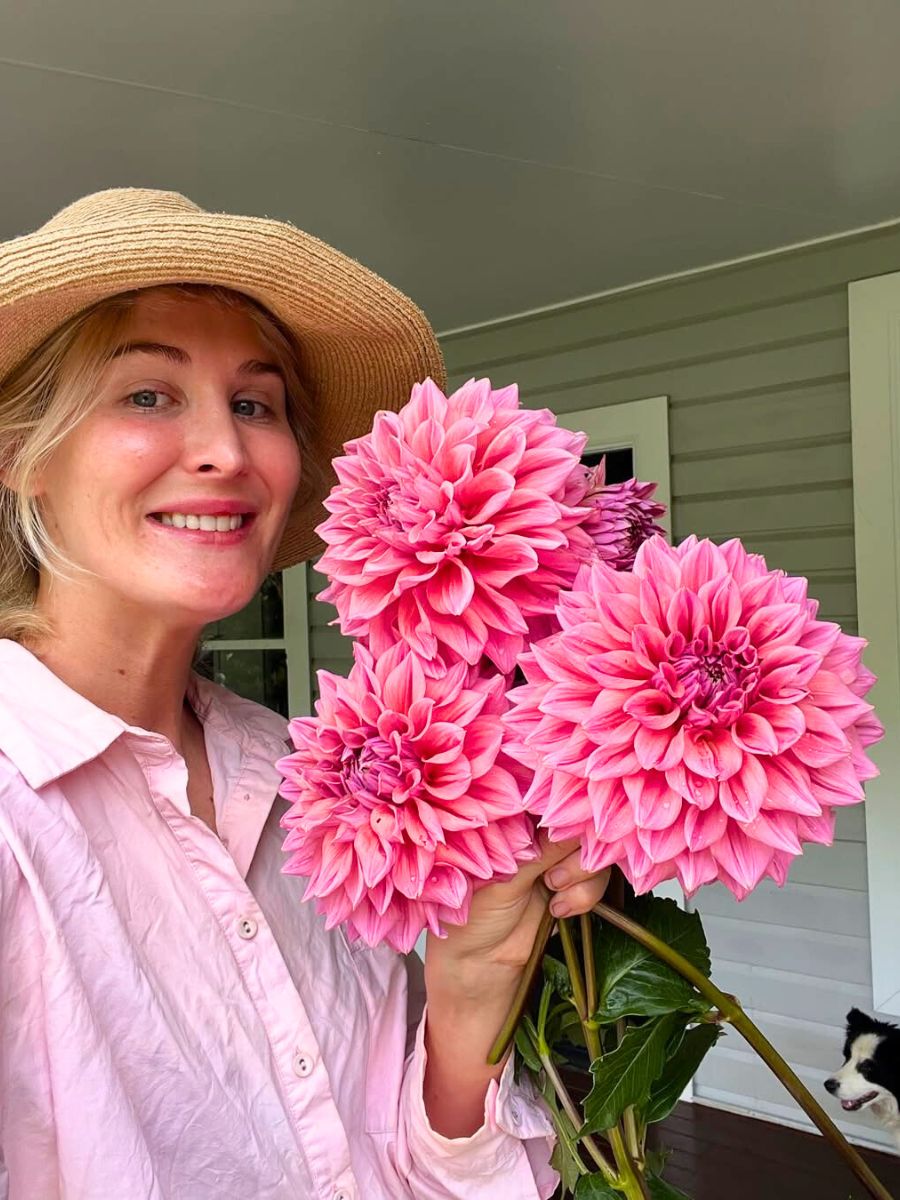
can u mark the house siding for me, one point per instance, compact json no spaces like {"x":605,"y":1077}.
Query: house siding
{"x":754,"y":359}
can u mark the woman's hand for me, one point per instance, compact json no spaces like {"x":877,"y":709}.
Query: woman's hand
{"x":471,"y":978}
{"x":504,"y":917}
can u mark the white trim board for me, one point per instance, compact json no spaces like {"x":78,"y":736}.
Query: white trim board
{"x":642,"y":425}
{"x":875,"y":417}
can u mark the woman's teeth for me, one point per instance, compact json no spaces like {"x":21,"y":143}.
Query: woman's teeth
{"x":211,"y":524}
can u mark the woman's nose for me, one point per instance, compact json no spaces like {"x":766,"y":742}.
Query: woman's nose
{"x":214,"y":442}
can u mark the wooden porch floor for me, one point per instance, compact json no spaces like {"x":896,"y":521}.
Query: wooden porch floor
{"x":721,"y":1156}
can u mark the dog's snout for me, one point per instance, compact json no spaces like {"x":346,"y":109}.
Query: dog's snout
{"x":831,"y":1085}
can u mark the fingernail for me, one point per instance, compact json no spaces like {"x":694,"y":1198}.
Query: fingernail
{"x":558,"y":878}
{"x":559,"y":908}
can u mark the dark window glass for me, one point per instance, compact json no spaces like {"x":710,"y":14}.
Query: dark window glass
{"x":259,"y":675}
{"x":619,"y":463}
{"x":263,"y":617}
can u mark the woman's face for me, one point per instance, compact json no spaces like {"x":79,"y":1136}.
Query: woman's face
{"x":174,"y":491}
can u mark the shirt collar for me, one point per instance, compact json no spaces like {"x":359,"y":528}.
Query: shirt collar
{"x":47,"y":729}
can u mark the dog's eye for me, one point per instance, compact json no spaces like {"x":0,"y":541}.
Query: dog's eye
{"x":865,"y":1069}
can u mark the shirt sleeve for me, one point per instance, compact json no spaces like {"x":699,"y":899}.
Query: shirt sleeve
{"x":514,"y":1142}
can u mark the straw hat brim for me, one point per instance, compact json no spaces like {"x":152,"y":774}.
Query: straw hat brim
{"x":363,"y":344}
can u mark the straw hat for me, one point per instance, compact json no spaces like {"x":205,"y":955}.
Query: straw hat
{"x":363,"y":344}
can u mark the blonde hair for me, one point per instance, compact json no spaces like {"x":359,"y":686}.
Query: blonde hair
{"x":43,"y":400}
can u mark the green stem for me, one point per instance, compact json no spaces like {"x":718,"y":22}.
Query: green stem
{"x":590,"y":970}
{"x":579,"y":996}
{"x":568,"y":1105}
{"x":735,"y":1015}
{"x":630,"y":1181}
{"x":520,"y":999}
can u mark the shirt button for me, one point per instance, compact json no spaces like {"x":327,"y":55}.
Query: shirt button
{"x":247,"y":928}
{"x":343,"y":1194}
{"x":303,"y":1066}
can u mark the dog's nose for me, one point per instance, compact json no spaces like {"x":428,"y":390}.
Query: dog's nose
{"x":831,"y":1085}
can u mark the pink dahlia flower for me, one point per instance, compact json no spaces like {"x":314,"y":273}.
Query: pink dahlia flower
{"x":400,"y":802}
{"x":693,"y":718}
{"x":453,"y":522}
{"x":622,"y":517}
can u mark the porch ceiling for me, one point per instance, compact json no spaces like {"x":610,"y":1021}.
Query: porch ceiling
{"x":489,"y":157}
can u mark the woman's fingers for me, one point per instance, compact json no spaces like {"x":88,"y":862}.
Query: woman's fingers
{"x":567,"y":869}
{"x":580,"y":897}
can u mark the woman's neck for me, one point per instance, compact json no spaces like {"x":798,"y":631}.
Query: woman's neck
{"x":135,"y":665}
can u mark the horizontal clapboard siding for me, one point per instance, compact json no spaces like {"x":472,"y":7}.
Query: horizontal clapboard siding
{"x":754,"y":359}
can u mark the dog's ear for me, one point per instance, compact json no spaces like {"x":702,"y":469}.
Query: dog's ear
{"x":858,"y":1022}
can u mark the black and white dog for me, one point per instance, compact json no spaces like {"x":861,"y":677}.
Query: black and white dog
{"x":870,"y":1076}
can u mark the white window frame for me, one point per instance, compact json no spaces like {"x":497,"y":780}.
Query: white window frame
{"x":875,"y":425}
{"x":295,"y":642}
{"x":639,"y":425}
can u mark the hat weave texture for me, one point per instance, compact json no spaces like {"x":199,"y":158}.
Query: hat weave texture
{"x":363,"y":344}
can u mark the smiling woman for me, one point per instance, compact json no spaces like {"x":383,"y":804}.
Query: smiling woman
{"x":104,"y":361}
{"x":175,"y":1021}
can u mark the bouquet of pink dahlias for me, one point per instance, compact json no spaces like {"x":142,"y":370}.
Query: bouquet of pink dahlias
{"x":682,"y":712}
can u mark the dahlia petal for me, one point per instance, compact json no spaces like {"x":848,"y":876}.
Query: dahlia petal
{"x":612,"y":812}
{"x":836,"y":784}
{"x":662,"y":845}
{"x":776,"y":830}
{"x":695,"y":869}
{"x":652,"y":708}
{"x":753,"y":733}
{"x":742,"y":795}
{"x":744,"y":860}
{"x":654,"y":804}
{"x":651,"y":746}
{"x":451,"y":589}
{"x":817,"y":829}
{"x":788,"y":787}
{"x":702,"y":827}
{"x":698,"y":790}
{"x":824,"y":742}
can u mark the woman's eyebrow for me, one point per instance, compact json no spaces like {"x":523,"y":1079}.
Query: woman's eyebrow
{"x":253,"y":366}
{"x":172,"y":353}
{"x":256,"y":366}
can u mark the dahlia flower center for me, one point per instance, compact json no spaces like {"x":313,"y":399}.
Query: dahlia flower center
{"x":383,"y":502}
{"x":713,"y":682}
{"x":380,"y":770}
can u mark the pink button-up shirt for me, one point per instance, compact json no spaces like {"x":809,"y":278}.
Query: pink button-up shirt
{"x":174,"y":1021}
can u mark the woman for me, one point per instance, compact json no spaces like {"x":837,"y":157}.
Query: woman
{"x":174,"y":1021}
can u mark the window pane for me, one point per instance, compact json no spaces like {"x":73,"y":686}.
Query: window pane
{"x":262,"y":618}
{"x":619,"y":463}
{"x":259,"y":675}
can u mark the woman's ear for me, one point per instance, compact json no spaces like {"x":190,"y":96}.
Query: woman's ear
{"x":33,"y":489}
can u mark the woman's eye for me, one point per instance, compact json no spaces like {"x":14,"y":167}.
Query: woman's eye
{"x":250,"y":408}
{"x":146,"y":398}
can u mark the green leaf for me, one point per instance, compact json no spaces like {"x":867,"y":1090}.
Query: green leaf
{"x":564,"y":1164}
{"x":660,"y":1190}
{"x":526,"y":1050}
{"x":633,"y":981}
{"x":595,"y":1187}
{"x":557,"y":975}
{"x":626,"y":1076}
{"x":679,"y":1070}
